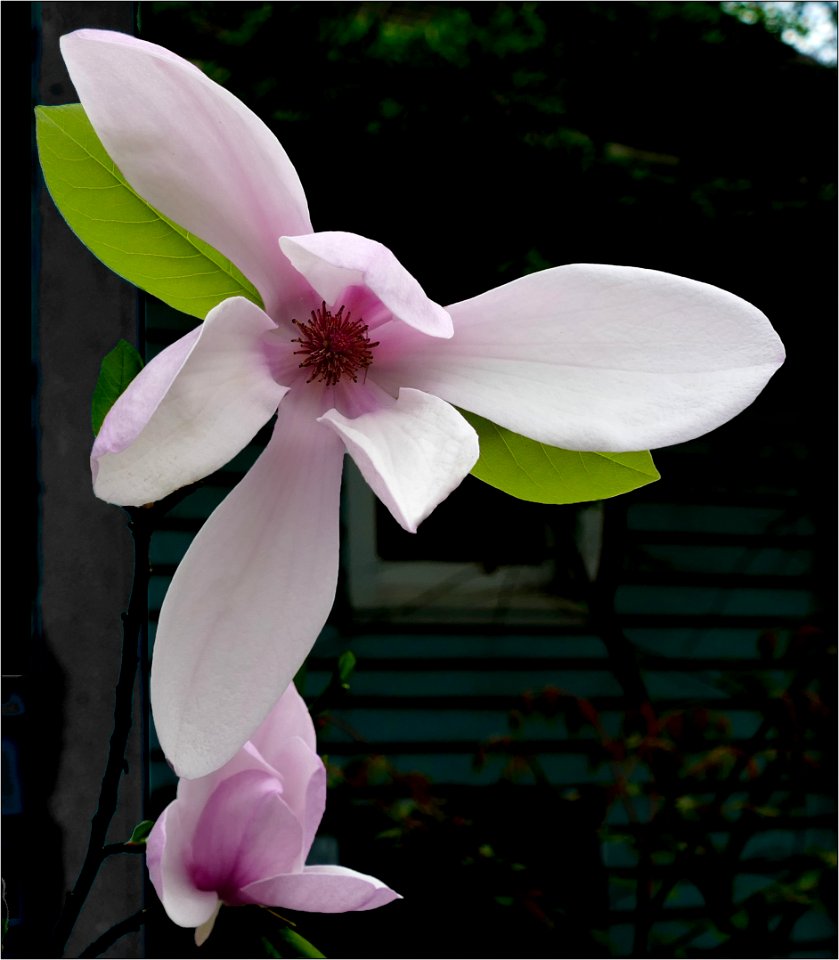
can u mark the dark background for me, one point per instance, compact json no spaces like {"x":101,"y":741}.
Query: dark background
{"x":653,"y":774}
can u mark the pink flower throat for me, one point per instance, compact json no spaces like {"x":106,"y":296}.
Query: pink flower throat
{"x":334,"y":346}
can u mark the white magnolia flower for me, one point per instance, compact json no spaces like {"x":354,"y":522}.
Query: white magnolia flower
{"x":355,"y":358}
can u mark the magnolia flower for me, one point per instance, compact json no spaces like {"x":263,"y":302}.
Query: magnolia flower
{"x":356,"y":359}
{"x":241,"y":835}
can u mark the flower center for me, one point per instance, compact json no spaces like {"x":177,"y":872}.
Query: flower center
{"x":333,"y":346}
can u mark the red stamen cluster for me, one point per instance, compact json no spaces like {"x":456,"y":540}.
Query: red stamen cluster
{"x":334,"y":346}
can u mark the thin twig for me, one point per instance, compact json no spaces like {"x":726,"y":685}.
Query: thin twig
{"x":110,"y":937}
{"x":114,"y":848}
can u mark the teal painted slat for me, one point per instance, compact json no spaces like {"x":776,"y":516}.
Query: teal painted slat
{"x":720,"y":601}
{"x":448,"y":768}
{"x":719,"y":643}
{"x":392,"y":685}
{"x":723,"y":560}
{"x":481,"y":647}
{"x":705,"y":518}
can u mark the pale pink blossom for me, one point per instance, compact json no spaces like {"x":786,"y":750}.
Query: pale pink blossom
{"x":584,"y":357}
{"x":241,"y":835}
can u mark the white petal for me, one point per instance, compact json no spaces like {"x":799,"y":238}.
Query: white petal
{"x":593,"y":357}
{"x":413,"y":451}
{"x":193,"y":408}
{"x":167,"y":855}
{"x":323,"y":889}
{"x":332,"y":261}
{"x":250,"y":597}
{"x":192,"y":150}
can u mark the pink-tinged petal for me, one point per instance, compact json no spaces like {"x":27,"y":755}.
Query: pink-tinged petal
{"x":283,"y":746}
{"x":245,"y":832}
{"x":323,"y":889}
{"x":303,"y":777}
{"x":594,"y":357}
{"x":413,"y":451}
{"x":193,"y":795}
{"x":193,"y":408}
{"x":193,"y":151}
{"x":289,"y":718}
{"x":285,"y":742}
{"x":334,"y":261}
{"x":167,"y":858}
{"x":251,"y":595}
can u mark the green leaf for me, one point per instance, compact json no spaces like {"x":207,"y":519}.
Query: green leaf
{"x":533,"y":471}
{"x":121,"y":229}
{"x":294,"y":945}
{"x":346,"y":665}
{"x":116,"y":371}
{"x":140,"y":833}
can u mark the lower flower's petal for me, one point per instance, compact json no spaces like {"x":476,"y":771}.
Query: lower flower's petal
{"x":167,"y":858}
{"x":193,"y":795}
{"x":332,"y":261}
{"x":193,"y":408}
{"x":323,"y":889}
{"x":285,"y":742}
{"x":245,"y":832}
{"x":304,"y":785}
{"x":250,"y":597}
{"x":289,"y":718}
{"x":594,"y":357}
{"x":413,"y":451}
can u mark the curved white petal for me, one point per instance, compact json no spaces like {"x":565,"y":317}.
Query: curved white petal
{"x":250,"y":597}
{"x":323,"y":889}
{"x":594,"y":357}
{"x":192,"y":150}
{"x":167,"y":857}
{"x":193,"y":408}
{"x":332,"y":261}
{"x":413,"y":451}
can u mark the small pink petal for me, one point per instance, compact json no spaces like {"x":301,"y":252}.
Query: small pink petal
{"x":190,"y":410}
{"x":594,"y":357}
{"x":303,"y":777}
{"x":193,"y":795}
{"x":245,"y":832}
{"x":251,"y":595}
{"x":333,"y":261}
{"x":167,"y":858}
{"x":413,"y":451}
{"x":289,"y":718}
{"x":193,"y":151}
{"x":323,"y":889}
{"x":284,"y":744}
